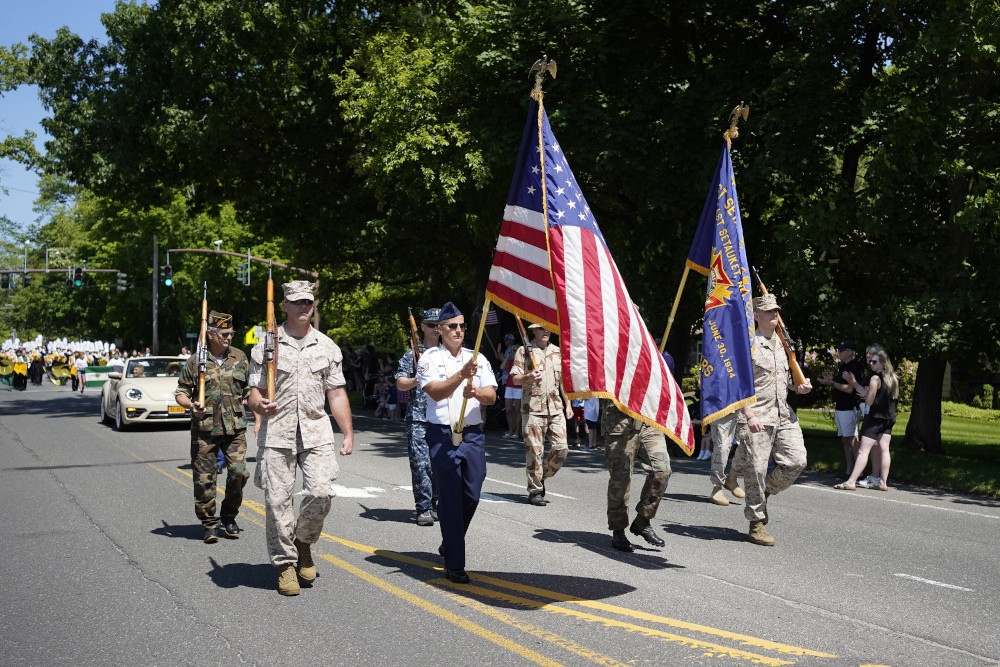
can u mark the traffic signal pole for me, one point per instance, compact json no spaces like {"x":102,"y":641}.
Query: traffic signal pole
{"x":156,"y":297}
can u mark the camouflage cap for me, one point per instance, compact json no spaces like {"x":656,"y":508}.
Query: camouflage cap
{"x":219,"y":320}
{"x":431,"y":315}
{"x":297,"y":290}
{"x":766,"y":302}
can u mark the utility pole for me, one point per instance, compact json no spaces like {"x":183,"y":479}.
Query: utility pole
{"x":156,"y":295}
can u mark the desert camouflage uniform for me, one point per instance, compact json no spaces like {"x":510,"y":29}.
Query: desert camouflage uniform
{"x":543,"y":413}
{"x":301,"y":433}
{"x":781,"y":437}
{"x":624,"y":439}
{"x":222,"y":428}
{"x":424,"y":488}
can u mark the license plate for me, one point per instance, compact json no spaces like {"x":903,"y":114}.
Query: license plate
{"x":174,"y":409}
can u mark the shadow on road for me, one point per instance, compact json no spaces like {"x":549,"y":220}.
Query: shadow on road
{"x":187,"y":531}
{"x":644,"y":557}
{"x":713,"y":533}
{"x":236,"y":575}
{"x":386,"y":514}
{"x":547,"y":587}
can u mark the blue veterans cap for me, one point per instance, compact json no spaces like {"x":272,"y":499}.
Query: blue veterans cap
{"x":448,"y":311}
{"x":431,"y":315}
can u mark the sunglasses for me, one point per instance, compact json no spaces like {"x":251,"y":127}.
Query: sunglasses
{"x":873,"y":361}
{"x":456,"y":325}
{"x":224,"y":334}
{"x":301,"y":302}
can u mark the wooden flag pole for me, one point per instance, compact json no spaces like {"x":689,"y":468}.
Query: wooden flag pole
{"x":456,"y":435}
{"x":673,"y":311}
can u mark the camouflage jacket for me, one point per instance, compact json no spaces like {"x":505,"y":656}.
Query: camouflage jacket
{"x":225,"y":389}
{"x":307,"y":369}
{"x":416,"y":407}
{"x":545,"y":397}
{"x":771,"y":380}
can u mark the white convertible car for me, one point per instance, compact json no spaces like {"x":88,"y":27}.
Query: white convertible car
{"x":144,"y":392}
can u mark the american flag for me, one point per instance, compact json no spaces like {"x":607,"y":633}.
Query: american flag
{"x":491,"y":317}
{"x":553,"y":267}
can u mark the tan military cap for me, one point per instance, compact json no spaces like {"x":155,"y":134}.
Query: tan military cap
{"x":766,"y":302}
{"x":298,"y":289}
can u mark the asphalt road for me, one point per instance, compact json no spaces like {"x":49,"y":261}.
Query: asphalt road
{"x":102,"y":563}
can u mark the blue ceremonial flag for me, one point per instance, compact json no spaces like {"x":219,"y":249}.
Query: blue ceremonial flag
{"x":727,"y":338}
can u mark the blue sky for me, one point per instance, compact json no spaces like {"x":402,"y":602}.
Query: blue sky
{"x":20,"y":109}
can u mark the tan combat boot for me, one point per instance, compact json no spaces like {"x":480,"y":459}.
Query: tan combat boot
{"x":717,"y":497}
{"x":305,"y":567}
{"x":733,"y":486}
{"x":758,"y":535}
{"x":288,"y":584}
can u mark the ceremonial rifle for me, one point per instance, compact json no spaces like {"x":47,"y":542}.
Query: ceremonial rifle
{"x":524,"y":342}
{"x":786,"y":340}
{"x":414,"y":345}
{"x":203,"y":345}
{"x":270,"y":338}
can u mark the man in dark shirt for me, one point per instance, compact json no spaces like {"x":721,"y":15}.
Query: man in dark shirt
{"x":845,"y":401}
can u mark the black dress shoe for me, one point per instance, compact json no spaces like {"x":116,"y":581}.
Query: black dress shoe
{"x":457,"y":576}
{"x":620,"y":542}
{"x":649,"y":535}
{"x":230,"y":529}
{"x":211,"y":536}
{"x":441,"y":550}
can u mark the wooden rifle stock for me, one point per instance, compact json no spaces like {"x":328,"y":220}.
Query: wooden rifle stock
{"x":798,"y":377}
{"x":524,"y":342}
{"x":203,"y":345}
{"x":414,"y":338}
{"x":270,"y":338}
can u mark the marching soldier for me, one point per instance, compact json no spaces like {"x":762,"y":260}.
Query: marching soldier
{"x":544,"y":410}
{"x":296,"y":432}
{"x":624,"y":436}
{"x":217,"y":426}
{"x":769,"y":428}
{"x":424,"y":486}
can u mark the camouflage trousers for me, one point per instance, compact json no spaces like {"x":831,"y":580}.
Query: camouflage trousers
{"x":784,"y":443}
{"x":204,"y":465}
{"x":650,"y":445}
{"x":319,"y":470}
{"x":535,"y":429}
{"x":723,"y":432}
{"x":424,"y":484}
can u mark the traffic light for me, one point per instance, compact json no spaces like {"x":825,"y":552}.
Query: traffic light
{"x":26,"y":281}
{"x":243,"y":274}
{"x":77,"y":276}
{"x":5,"y":281}
{"x":168,"y":275}
{"x":121,"y":282}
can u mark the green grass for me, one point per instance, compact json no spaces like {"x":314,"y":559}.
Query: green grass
{"x":970,"y":462}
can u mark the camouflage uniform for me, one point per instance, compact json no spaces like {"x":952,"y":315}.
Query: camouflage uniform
{"x":623,"y":436}
{"x":424,"y":487}
{"x":543,"y":413}
{"x":301,"y":433}
{"x":781,"y":437}
{"x":223,"y":428}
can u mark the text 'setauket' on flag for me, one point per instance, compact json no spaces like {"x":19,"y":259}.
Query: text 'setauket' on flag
{"x":728,"y":332}
{"x":553,"y":267}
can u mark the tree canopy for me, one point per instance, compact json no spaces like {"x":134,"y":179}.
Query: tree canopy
{"x":376,"y":140}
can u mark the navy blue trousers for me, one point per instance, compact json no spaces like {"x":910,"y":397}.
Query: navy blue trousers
{"x":459,"y":473}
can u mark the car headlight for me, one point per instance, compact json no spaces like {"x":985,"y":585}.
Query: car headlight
{"x":133,"y":394}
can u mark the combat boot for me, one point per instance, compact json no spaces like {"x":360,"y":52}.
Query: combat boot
{"x":620,"y":542}
{"x":305,"y":567}
{"x":733,"y":486}
{"x":288,"y":584}
{"x":758,"y":535}
{"x":718,"y":497}
{"x":640,"y":526}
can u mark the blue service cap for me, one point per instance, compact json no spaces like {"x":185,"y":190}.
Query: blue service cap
{"x":448,"y":311}
{"x":431,"y":315}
